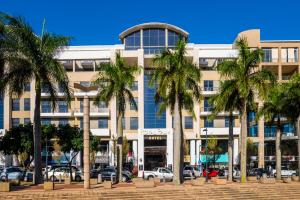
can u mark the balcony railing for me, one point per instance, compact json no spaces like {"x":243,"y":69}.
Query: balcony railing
{"x":210,"y":88}
{"x":87,"y":63}
{"x":289,"y":60}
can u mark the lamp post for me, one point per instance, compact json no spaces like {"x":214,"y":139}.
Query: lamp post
{"x":52,"y":140}
{"x":206,"y":175}
{"x":86,"y":133}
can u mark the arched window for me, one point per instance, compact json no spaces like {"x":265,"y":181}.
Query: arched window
{"x":133,"y":41}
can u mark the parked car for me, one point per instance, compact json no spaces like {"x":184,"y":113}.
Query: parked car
{"x":258,"y":172}
{"x":211,"y":172}
{"x":159,"y":172}
{"x":12,"y":173}
{"x":57,"y":172}
{"x":285,"y":172}
{"x":189,"y":171}
{"x":111,"y":172}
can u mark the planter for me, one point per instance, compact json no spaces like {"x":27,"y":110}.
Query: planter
{"x":295,"y":178}
{"x":198,"y":182}
{"x":107,"y":185}
{"x":145,"y":184}
{"x":48,"y":186}
{"x":157,"y":181}
{"x":93,"y":181}
{"x":267,"y":180}
{"x":220,"y":181}
{"x":252,"y":179}
{"x":286,"y":180}
{"x":5,"y":186}
{"x":213,"y":179}
{"x":67,"y":181}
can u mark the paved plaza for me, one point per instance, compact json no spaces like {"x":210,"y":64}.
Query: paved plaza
{"x":209,"y":191}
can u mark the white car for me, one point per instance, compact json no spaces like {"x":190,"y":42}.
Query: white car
{"x":191,"y":170}
{"x":285,"y":172}
{"x":159,"y":172}
{"x":61,"y":172}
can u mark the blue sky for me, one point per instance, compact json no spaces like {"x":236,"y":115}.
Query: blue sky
{"x":210,"y":21}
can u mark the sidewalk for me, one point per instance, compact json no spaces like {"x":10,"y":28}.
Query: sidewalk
{"x":209,"y":191}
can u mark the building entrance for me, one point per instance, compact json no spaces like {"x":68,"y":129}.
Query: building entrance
{"x":155,"y":152}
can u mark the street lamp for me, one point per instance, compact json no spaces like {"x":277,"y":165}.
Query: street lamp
{"x":52,"y":140}
{"x":206,"y":175}
{"x":86,"y":133}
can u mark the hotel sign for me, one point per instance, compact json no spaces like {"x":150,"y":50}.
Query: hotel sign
{"x":155,"y":131}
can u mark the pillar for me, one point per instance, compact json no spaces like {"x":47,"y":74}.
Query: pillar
{"x":235,"y":151}
{"x":170,"y":149}
{"x":86,"y":142}
{"x":140,"y":154}
{"x":261,"y":143}
{"x":198,"y":150}
{"x":193,"y":152}
{"x":111,"y":153}
{"x":135,"y":152}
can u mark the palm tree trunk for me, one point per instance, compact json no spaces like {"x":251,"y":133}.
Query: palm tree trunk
{"x":120,"y":148}
{"x":297,"y":127}
{"x":244,"y":145}
{"x":230,"y":148}
{"x":38,"y":175}
{"x":177,"y":140}
{"x":278,"y":150}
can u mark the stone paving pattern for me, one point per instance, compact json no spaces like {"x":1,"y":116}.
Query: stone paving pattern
{"x":208,"y":191}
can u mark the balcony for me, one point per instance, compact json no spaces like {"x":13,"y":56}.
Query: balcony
{"x":87,"y":63}
{"x":289,"y":60}
{"x":206,"y":111}
{"x":94,"y":112}
{"x":100,"y":132}
{"x":208,"y":91}
{"x":220,"y":131}
{"x":56,"y":113}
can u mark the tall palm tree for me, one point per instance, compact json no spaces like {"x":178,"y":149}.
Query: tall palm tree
{"x":292,"y":99}
{"x":248,"y":80}
{"x":273,"y":109}
{"x":228,"y":100}
{"x":177,"y":79}
{"x":114,"y":80}
{"x":32,"y":58}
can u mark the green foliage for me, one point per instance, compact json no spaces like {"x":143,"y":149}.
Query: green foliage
{"x":177,"y":77}
{"x":213,"y":150}
{"x":115,"y":80}
{"x":125,"y":149}
{"x":252,"y":149}
{"x":19,"y":140}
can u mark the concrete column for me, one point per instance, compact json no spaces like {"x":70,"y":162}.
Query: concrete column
{"x":170,"y":149}
{"x":141,"y":89}
{"x":198,"y":149}
{"x":261,"y":143}
{"x":280,"y":72}
{"x":86,"y":141}
{"x":193,"y":152}
{"x":235,"y":151}
{"x":140,"y":154}
{"x":135,"y":151}
{"x":111,"y":153}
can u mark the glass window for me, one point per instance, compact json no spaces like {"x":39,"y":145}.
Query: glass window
{"x":123,"y":123}
{"x":227,"y":122}
{"x":63,"y":121}
{"x":134,"y":123}
{"x":208,"y":123}
{"x":27,"y":87}
{"x":267,"y":55}
{"x":15,"y":104}
{"x":45,"y":121}
{"x":133,"y":41}
{"x":132,"y":105}
{"x":27,"y":104}
{"x":81,"y":106}
{"x":103,"y":123}
{"x":60,"y":88}
{"x":45,"y":88}
{"x":46,"y":107}
{"x":173,"y":38}
{"x":26,"y":120}
{"x":154,"y":40}
{"x":81,"y":123}
{"x":15,"y":122}
{"x":102,"y":104}
{"x":62,"y":106}
{"x":207,"y":106}
{"x":208,"y":85}
{"x":188,"y":122}
{"x":85,"y":83}
{"x":135,"y":86}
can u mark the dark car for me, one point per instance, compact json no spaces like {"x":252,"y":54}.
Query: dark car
{"x":110,"y":172}
{"x":15,"y":172}
{"x":258,"y":172}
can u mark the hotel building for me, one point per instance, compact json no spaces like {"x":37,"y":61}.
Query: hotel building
{"x":151,"y":136}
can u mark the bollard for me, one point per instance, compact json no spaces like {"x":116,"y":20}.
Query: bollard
{"x":164,"y":179}
{"x":191,"y":175}
{"x":99,"y":178}
{"x":112,"y":179}
{"x":59,"y":178}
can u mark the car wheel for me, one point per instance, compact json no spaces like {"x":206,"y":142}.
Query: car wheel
{"x":53,"y":178}
{"x":150,"y":177}
{"x":124,"y":179}
{"x":77,"y":178}
{"x":275,"y":175}
{"x":294,"y":175}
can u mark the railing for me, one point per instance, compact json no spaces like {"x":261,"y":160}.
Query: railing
{"x":286,"y":77}
{"x":206,"y":109}
{"x":87,"y":62}
{"x":289,"y":60}
{"x":92,"y":110}
{"x":210,"y":88}
{"x":270,"y":60}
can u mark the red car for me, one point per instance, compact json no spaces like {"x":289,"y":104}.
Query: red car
{"x":211,"y":172}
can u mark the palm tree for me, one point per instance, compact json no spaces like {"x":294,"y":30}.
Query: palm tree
{"x":228,"y":100}
{"x":32,"y":58}
{"x":247,"y":80}
{"x":293,"y":107}
{"x":273,"y":109}
{"x":114,"y":80}
{"x":177,"y":79}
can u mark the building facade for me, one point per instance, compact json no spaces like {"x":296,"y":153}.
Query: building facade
{"x":151,"y":135}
